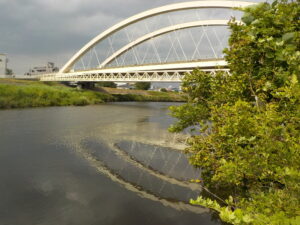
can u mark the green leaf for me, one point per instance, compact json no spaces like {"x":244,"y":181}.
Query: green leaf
{"x":247,"y":219}
{"x":248,"y":18}
{"x":288,"y":37}
{"x":270,"y":55}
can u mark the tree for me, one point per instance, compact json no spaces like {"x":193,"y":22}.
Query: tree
{"x":142,"y":85}
{"x":9,"y":71}
{"x":250,"y":120}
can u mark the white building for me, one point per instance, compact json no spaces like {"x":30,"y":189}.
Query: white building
{"x":3,"y":65}
{"x":49,"y":68}
{"x":122,"y":85}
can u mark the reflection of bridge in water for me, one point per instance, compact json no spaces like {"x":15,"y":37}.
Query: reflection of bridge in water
{"x":132,"y":148}
{"x":158,"y":45}
{"x":137,"y":172}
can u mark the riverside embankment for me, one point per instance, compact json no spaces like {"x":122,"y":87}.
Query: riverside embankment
{"x":23,"y":94}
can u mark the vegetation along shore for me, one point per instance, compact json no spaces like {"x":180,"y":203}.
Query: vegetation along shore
{"x":22,"y":94}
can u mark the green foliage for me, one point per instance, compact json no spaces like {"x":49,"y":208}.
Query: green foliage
{"x":163,"y":90}
{"x":142,"y":85}
{"x":250,"y":120}
{"x":21,"y":94}
{"x":39,"y":94}
{"x":152,"y":96}
{"x":9,"y":72}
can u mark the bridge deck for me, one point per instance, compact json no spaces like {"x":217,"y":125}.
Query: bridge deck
{"x":168,"y":72}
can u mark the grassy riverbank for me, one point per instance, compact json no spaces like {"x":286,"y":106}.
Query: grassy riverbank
{"x":143,"y":96}
{"x":21,"y":94}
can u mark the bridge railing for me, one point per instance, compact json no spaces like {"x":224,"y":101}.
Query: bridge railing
{"x":133,"y":76}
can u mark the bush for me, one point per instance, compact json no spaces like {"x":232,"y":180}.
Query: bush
{"x":249,"y":145}
{"x":142,"y":85}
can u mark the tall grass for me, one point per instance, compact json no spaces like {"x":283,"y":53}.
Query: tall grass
{"x":18,"y":96}
{"x":160,"y":97}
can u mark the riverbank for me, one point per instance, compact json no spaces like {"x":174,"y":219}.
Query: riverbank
{"x":22,"y":94}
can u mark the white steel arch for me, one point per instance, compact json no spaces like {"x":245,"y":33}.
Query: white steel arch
{"x":161,"y":32}
{"x":150,"y":13}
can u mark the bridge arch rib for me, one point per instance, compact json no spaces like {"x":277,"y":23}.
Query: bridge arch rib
{"x":161,"y":32}
{"x":153,"y":12}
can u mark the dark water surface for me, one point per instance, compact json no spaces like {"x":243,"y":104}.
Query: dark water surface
{"x":106,"y":164}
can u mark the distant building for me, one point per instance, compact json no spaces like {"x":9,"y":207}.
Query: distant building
{"x":3,"y":65}
{"x":125,"y":85}
{"x":167,"y":86}
{"x":49,"y":68}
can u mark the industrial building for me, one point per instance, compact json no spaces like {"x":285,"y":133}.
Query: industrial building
{"x":49,"y":68}
{"x":3,"y":65}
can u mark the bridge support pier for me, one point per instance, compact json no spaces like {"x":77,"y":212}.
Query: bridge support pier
{"x":85,"y":85}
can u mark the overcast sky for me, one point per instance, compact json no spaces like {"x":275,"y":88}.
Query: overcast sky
{"x":34,"y":32}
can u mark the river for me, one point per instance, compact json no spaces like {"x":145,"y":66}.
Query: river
{"x":106,"y":164}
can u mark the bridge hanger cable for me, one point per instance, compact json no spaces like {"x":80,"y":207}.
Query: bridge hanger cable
{"x":177,"y":38}
{"x":133,"y":51}
{"x":153,"y":44}
{"x":90,"y":59}
{"x":209,"y":41}
{"x":96,"y":54}
{"x":197,"y":45}
{"x":82,"y":63}
{"x":111,"y":40}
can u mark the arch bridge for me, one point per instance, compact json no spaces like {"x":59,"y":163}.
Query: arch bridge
{"x":158,"y":45}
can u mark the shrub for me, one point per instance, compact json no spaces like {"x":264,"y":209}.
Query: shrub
{"x":142,"y":85}
{"x":249,"y":145}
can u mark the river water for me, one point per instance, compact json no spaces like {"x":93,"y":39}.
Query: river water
{"x":106,"y":164}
